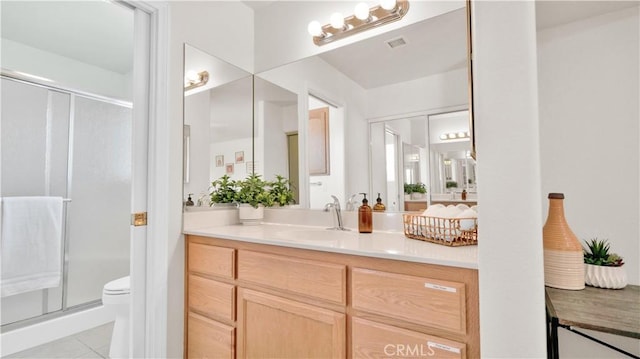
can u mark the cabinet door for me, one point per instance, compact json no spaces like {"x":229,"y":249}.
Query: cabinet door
{"x":422,"y":300}
{"x":208,"y":338}
{"x":274,"y":327}
{"x":376,"y":340}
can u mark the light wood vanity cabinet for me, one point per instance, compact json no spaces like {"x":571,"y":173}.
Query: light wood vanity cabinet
{"x":250,"y":300}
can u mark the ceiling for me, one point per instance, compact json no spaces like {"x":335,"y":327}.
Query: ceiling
{"x":98,"y":33}
{"x":433,"y":46}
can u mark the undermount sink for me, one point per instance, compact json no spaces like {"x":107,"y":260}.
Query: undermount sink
{"x":316,"y":234}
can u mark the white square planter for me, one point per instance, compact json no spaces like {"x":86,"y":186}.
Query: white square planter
{"x":250,"y":215}
{"x":605,"y":276}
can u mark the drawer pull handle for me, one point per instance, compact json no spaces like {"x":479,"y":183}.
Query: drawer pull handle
{"x":443,"y":347}
{"x":440,"y":287}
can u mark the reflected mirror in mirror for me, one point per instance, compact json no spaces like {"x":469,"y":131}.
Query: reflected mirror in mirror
{"x":365,"y":82}
{"x":453,"y":170}
{"x":399,"y":161}
{"x":218,"y":123}
{"x":276,"y":133}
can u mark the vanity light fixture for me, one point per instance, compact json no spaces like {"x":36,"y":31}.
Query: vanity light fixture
{"x":195,"y":79}
{"x":454,"y":135}
{"x":364,"y":18}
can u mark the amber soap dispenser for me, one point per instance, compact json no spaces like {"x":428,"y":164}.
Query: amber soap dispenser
{"x":365,"y":216}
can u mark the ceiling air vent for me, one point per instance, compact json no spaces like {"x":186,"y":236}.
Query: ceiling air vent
{"x":396,"y":42}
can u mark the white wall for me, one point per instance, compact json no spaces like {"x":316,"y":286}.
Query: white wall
{"x":205,"y":25}
{"x":589,"y":127}
{"x":196,"y":115}
{"x":512,"y":317}
{"x":275,"y":153}
{"x":589,"y":135}
{"x":427,"y":93}
{"x":64,"y":71}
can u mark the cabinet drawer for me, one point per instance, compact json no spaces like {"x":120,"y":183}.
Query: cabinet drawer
{"x":212,"y":260}
{"x":431,"y":302}
{"x":375,"y":340}
{"x":320,"y":280}
{"x":212,"y":298}
{"x":209,"y":339}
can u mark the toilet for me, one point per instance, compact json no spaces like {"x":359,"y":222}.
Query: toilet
{"x":116,"y":297}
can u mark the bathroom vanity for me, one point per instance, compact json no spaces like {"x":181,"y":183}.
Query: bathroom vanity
{"x":292,"y":292}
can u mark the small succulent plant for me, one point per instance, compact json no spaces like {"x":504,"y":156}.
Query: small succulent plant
{"x":597,"y":253}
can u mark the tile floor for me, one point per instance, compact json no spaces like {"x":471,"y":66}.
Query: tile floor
{"x":92,"y":343}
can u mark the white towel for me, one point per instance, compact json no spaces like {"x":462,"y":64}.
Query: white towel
{"x":31,"y":244}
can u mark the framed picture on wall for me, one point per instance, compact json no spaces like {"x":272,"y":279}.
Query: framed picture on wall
{"x":229,"y":168}
{"x":219,"y":161}
{"x":240,"y":157}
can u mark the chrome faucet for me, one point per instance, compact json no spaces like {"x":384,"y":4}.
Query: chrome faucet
{"x":351,"y":203}
{"x":336,"y":207}
{"x":203,"y":199}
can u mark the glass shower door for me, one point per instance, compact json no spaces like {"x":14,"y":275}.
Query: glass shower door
{"x":58,"y":143}
{"x":99,"y":214}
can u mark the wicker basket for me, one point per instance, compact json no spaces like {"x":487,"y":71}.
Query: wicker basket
{"x":446,"y":231}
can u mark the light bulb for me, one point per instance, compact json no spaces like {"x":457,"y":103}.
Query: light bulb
{"x":388,"y":4}
{"x":315,"y":29}
{"x":443,"y":136}
{"x":452,"y":135}
{"x":461,"y":135}
{"x":361,"y":11}
{"x":337,"y":20}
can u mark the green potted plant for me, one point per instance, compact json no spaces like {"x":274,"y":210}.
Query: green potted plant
{"x":602,"y":268}
{"x":451,"y":184}
{"x":223,"y":190}
{"x":281,"y":191}
{"x":252,"y":195}
{"x":419,"y":190}
{"x":408,"y":190}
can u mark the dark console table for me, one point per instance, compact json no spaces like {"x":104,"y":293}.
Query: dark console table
{"x":604,"y":310}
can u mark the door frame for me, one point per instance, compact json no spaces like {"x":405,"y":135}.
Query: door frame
{"x":148,"y":320}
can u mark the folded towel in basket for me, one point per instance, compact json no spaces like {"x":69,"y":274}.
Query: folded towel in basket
{"x":31,"y":243}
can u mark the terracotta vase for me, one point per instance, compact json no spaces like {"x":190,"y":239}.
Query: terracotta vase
{"x":563,"y":256}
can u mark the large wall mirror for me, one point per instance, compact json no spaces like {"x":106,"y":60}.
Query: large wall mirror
{"x":218,"y":118}
{"x":393,"y":83}
{"x":350,"y":120}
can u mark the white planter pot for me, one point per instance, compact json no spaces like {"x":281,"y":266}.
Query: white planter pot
{"x":605,"y":277}
{"x":249,"y":215}
{"x":407,"y":197}
{"x":417,"y":195}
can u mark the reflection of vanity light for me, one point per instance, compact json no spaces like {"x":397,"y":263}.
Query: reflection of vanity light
{"x":195,"y":79}
{"x":454,"y":135}
{"x":446,"y":162}
{"x":364,"y":18}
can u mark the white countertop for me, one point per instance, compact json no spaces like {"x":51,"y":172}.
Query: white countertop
{"x":389,"y":245}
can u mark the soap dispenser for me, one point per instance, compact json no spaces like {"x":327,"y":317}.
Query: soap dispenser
{"x":379,"y":206}
{"x":189,"y":200}
{"x":365,"y":216}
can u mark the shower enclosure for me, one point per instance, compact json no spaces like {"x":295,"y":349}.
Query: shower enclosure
{"x":56,"y":142}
